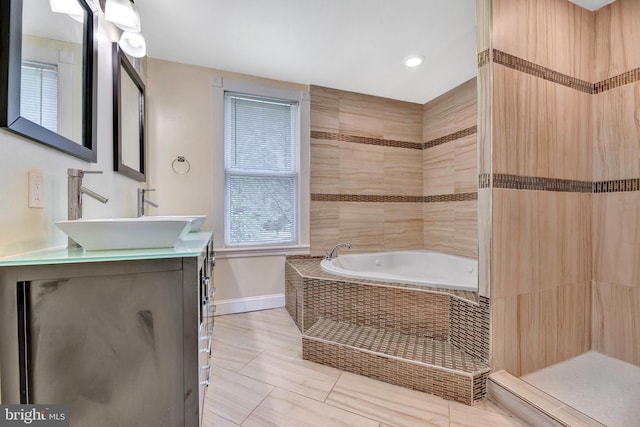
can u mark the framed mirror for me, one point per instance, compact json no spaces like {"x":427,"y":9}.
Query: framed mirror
{"x":48,"y":73}
{"x":128,"y":118}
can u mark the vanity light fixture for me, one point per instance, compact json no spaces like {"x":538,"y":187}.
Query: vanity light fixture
{"x":124,"y":14}
{"x":413,"y":60}
{"x":70,"y":7}
{"x":133,"y":44}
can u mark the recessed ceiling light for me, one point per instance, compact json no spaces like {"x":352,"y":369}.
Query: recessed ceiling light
{"x":413,"y":60}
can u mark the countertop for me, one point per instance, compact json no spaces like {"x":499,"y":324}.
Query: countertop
{"x":191,"y":245}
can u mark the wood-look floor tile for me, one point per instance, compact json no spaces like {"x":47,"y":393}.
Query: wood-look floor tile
{"x":210,"y":419}
{"x":285,"y":409}
{"x":229,"y":356}
{"x":293,"y":374}
{"x":388,"y":403}
{"x":483,"y":414}
{"x":234,"y":396}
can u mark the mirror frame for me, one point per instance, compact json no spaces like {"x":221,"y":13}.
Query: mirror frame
{"x":10,"y":76}
{"x":121,"y":62}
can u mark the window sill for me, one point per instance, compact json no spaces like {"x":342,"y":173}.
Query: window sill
{"x":246,"y":252}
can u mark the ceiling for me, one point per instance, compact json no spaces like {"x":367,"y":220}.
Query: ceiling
{"x":354,"y":45}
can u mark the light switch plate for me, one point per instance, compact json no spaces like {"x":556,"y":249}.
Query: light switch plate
{"x":36,"y":189}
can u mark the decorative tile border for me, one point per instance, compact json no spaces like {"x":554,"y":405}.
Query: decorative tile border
{"x":365,"y":140}
{"x":316,"y":197}
{"x":364,"y":198}
{"x":484,"y":57}
{"x":545,"y":73}
{"x":536,"y":70}
{"x":616,"y":186}
{"x":617,"y":81}
{"x":451,"y":137}
{"x":541,"y":184}
{"x":459,"y":197}
{"x":484,"y":180}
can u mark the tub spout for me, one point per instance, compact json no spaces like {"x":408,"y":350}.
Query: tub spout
{"x":333,"y":253}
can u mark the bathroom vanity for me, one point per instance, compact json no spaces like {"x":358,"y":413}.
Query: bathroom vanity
{"x":122,"y":337}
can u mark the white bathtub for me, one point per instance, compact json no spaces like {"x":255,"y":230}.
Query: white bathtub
{"x":423,"y":268}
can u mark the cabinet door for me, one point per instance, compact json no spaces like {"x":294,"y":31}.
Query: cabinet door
{"x":109,"y":346}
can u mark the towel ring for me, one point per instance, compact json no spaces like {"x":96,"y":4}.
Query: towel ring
{"x":181,"y":165}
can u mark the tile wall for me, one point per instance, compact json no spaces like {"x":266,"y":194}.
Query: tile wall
{"x":616,"y":215}
{"x":562,"y":87}
{"x":390,"y":175}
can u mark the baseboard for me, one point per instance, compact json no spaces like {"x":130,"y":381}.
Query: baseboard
{"x":242,"y":305}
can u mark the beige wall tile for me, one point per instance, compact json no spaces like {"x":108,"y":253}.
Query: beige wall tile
{"x":485,"y":117}
{"x":540,"y":240}
{"x":452,"y":112}
{"x":483,"y":24}
{"x":617,"y":39}
{"x":402,"y":121}
{"x":484,"y":242}
{"x":616,"y":238}
{"x":325,"y":109}
{"x":465,"y":167}
{"x":465,"y":238}
{"x":325,"y":166}
{"x":439,"y":226}
{"x":574,"y":320}
{"x":505,"y":348}
{"x":325,"y":226}
{"x":616,"y":325}
{"x":556,"y":34}
{"x":539,"y":127}
{"x":361,"y":168}
{"x":617,"y":132}
{"x":402,"y":171}
{"x":361,"y":115}
{"x":438,"y":172}
{"x":362,"y":224}
{"x":403,"y":226}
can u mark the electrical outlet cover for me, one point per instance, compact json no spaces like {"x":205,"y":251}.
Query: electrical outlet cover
{"x":36,"y":189}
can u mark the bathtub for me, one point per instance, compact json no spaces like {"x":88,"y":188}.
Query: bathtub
{"x":418,"y":267}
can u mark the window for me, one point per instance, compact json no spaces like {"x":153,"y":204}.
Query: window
{"x":261,"y":140}
{"x":39,"y":94}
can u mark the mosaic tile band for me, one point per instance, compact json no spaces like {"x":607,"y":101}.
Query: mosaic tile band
{"x":365,"y":198}
{"x":327,"y":136}
{"x":517,"y":182}
{"x":548,"y":74}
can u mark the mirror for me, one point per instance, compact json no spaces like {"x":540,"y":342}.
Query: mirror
{"x":128,"y":118}
{"x":48,"y":74}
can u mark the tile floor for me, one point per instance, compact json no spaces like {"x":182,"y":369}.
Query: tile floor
{"x":606,"y":389}
{"x":259,"y":379}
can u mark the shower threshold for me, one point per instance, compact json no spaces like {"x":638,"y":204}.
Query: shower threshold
{"x":588,"y":390}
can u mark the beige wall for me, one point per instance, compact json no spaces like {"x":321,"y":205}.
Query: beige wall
{"x":25,"y":229}
{"x":184,"y":119}
{"x":616,"y":216}
{"x":374,"y":185}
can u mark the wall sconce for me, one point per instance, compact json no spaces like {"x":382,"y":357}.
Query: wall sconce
{"x":124,"y":14}
{"x":70,"y":7}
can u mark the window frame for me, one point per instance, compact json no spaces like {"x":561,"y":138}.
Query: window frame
{"x":221,"y":86}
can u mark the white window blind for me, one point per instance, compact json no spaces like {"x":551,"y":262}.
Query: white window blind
{"x":261,"y":170}
{"x":39,"y":94}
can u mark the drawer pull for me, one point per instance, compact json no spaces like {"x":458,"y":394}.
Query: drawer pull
{"x":208,"y":328}
{"x":207,"y":347}
{"x":206,"y":381}
{"x":212,"y":309}
{"x":212,"y":292}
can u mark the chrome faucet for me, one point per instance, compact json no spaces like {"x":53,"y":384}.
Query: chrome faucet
{"x":333,"y":253}
{"x":75,"y":190}
{"x":142,"y":200}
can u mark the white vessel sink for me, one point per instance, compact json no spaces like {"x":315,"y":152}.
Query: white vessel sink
{"x":127,"y":233}
{"x":198,"y":220}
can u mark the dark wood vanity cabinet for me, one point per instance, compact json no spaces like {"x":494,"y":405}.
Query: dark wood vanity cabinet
{"x":120,"y":342}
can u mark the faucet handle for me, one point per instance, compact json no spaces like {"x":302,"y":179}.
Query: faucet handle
{"x":92,"y":172}
{"x":149,"y":189}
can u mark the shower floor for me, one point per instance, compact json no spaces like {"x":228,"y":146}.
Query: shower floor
{"x":606,"y":389}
